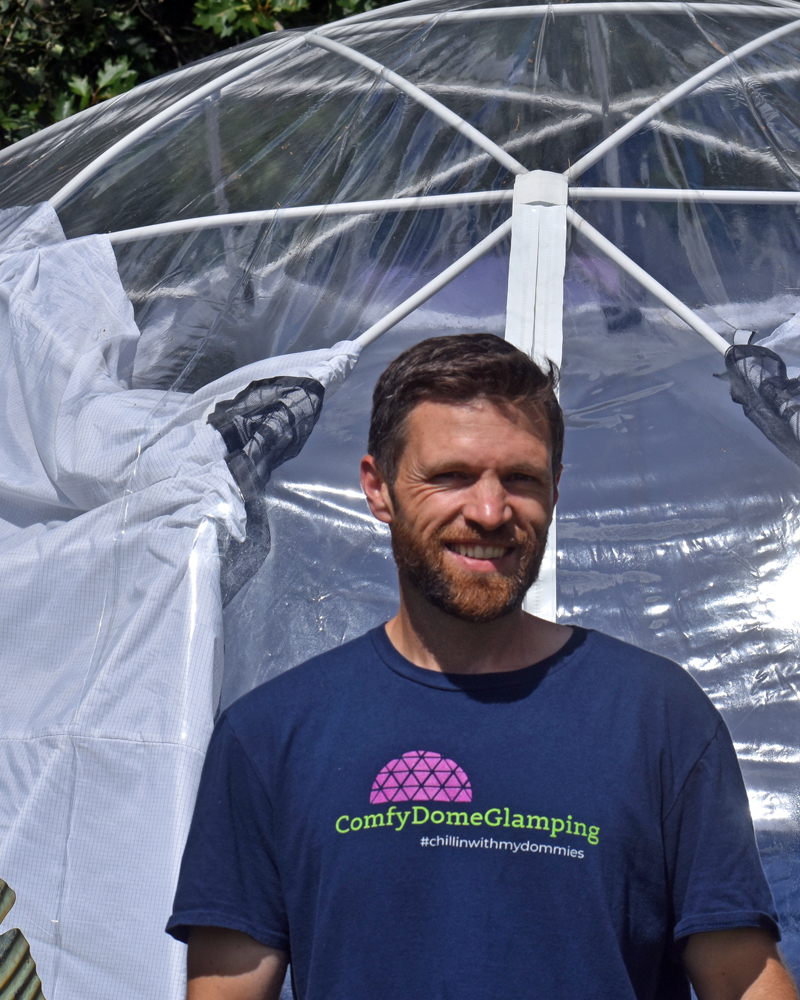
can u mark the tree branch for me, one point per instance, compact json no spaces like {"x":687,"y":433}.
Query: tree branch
{"x":161,"y":29}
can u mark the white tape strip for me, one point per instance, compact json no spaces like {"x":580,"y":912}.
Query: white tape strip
{"x":534,"y":310}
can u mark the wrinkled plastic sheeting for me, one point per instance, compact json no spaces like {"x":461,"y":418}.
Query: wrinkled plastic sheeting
{"x":677,"y":523}
{"x":112,"y":501}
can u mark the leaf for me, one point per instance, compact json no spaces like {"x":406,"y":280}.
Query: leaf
{"x":64,"y":55}
{"x":80,"y":85}
{"x":289,"y":6}
{"x":112,"y":72}
{"x":354,"y":6}
{"x":228,"y":17}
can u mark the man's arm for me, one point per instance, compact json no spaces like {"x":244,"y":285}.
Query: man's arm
{"x":740,"y":964}
{"x":228,"y":965}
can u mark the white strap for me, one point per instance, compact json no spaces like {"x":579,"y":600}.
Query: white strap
{"x":534,"y":310}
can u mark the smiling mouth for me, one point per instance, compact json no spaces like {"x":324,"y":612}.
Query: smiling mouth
{"x":480,"y":551}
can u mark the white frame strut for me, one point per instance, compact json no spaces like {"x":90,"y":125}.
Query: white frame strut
{"x":422,"y":202}
{"x":310,"y":212}
{"x":707,"y":195}
{"x":623,"y":133}
{"x":671,"y":301}
{"x":565,"y":9}
{"x":421,"y":97}
{"x":380,"y":14}
{"x":436,"y":284}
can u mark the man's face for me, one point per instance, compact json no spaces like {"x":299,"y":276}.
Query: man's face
{"x":471,"y":505}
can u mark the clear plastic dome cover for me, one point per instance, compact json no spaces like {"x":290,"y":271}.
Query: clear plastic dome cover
{"x":200,"y":271}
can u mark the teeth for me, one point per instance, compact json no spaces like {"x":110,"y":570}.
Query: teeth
{"x":480,"y":551}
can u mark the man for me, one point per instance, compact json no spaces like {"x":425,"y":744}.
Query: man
{"x":471,"y":803}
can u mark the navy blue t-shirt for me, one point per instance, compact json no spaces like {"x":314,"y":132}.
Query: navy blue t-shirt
{"x":551,"y":832}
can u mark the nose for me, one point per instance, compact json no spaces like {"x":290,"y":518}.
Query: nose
{"x":487,"y":504}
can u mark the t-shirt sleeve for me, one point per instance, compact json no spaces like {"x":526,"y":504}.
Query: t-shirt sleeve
{"x":228,"y":875}
{"x":714,"y":865}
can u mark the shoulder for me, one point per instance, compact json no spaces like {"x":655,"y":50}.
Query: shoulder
{"x":646,"y":709}
{"x":646,"y":679}
{"x":627,"y":657}
{"x":300,"y":688}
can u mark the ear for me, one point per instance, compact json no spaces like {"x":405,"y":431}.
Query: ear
{"x":376,"y":490}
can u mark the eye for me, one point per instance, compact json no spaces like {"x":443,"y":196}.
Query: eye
{"x":454,"y":476}
{"x":526,"y":481}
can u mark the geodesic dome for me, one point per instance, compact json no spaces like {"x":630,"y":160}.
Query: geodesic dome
{"x":189,"y":271}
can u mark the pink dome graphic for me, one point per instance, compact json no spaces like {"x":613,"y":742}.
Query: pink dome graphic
{"x":421,"y":776}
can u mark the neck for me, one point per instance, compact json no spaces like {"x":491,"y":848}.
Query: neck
{"x":435,"y":640}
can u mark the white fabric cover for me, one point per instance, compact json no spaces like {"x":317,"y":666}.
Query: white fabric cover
{"x":110,"y":620}
{"x":785,"y":340}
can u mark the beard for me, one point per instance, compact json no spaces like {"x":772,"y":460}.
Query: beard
{"x":471,"y":597}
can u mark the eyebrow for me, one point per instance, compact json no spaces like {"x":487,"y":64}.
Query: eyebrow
{"x":543,"y":473}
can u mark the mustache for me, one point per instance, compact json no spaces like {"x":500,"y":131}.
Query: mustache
{"x":478,"y":537}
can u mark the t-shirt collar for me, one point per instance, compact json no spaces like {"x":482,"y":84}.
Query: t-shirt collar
{"x":477,"y":682}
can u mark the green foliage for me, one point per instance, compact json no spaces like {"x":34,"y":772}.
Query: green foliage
{"x":349,"y":7}
{"x":58,"y":57}
{"x":249,"y":17}
{"x":114,"y":78}
{"x":240,"y":19}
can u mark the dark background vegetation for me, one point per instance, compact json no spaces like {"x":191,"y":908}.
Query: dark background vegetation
{"x":60,"y":56}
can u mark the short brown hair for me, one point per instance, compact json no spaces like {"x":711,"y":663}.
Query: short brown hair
{"x":457,"y":370}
